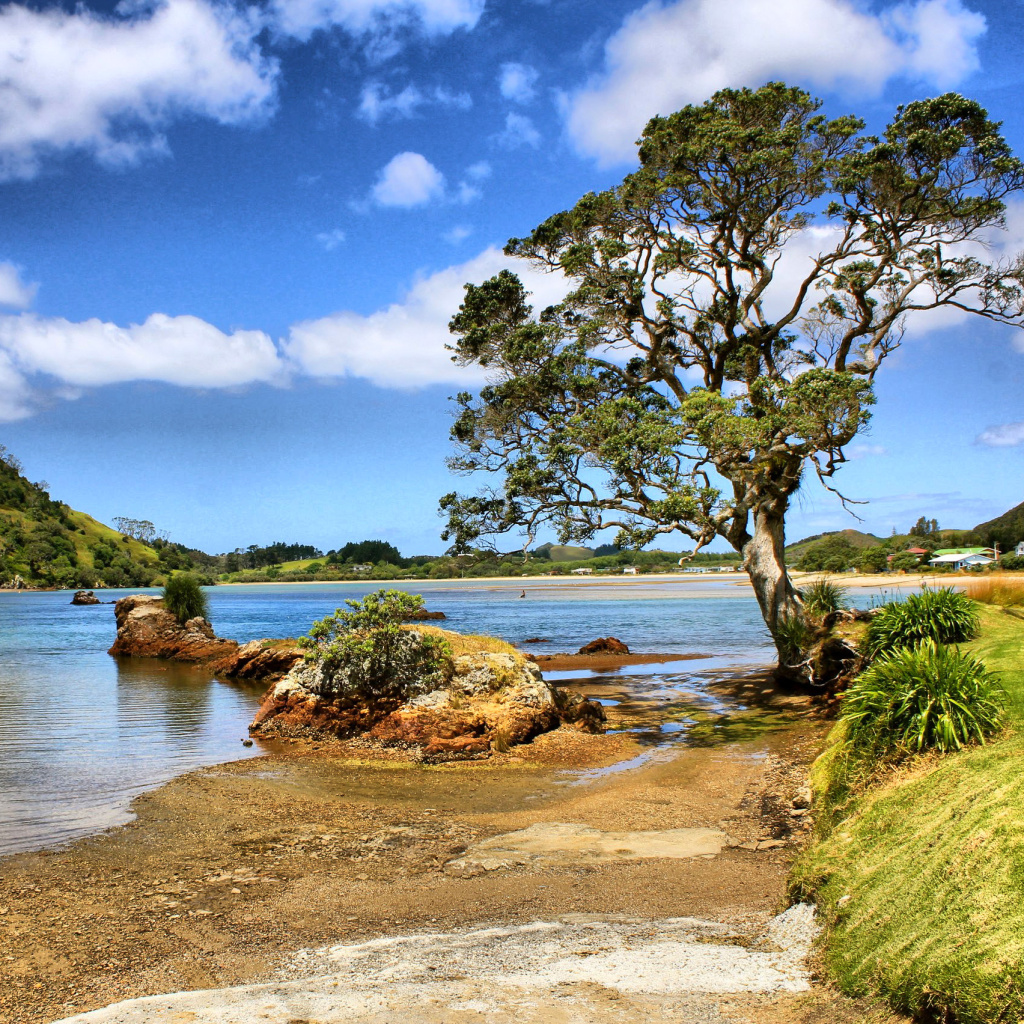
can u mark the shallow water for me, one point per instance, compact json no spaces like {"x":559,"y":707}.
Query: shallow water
{"x":82,"y":734}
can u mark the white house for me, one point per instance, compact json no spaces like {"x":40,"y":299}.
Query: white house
{"x":1019,"y":550}
{"x":962,"y":560}
{"x":582,"y":572}
{"x":630,"y":570}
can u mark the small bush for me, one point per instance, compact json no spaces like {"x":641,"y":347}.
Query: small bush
{"x":184,"y":598}
{"x":927,"y":697}
{"x":945,"y":616}
{"x":824,"y":596}
{"x":366,"y":651}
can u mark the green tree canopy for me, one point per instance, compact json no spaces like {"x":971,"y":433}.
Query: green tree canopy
{"x":711,"y":349}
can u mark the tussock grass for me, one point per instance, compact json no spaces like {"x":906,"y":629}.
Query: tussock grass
{"x":919,"y":876}
{"x":466,"y":643}
{"x":1006,"y":591}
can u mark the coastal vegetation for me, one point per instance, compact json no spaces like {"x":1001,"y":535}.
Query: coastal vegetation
{"x":943,"y":615}
{"x":364,"y":651}
{"x":915,"y":868}
{"x":660,"y":395}
{"x":184,"y":598}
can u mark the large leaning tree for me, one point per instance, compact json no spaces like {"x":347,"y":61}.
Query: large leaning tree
{"x":728,"y":307}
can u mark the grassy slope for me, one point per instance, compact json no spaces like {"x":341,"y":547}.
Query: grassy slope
{"x":95,"y":532}
{"x":857,"y":539}
{"x":933,"y":865}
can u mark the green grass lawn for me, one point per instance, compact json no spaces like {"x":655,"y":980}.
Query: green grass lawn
{"x":921,"y":883}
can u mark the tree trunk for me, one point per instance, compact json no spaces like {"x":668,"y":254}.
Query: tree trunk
{"x":765,"y":561}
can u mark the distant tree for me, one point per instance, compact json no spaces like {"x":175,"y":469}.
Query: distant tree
{"x":924,"y":527}
{"x":873,"y":559}
{"x":685,"y":383}
{"x":371,"y":552}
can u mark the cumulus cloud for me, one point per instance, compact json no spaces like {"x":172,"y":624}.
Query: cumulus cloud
{"x":377,"y":103}
{"x":400,"y":346}
{"x":180,"y":350}
{"x":409,"y":179}
{"x":106,"y":85}
{"x":519,"y":131}
{"x":517,"y":82}
{"x":15,"y":293}
{"x":1006,"y":435}
{"x":301,"y":18}
{"x":666,"y":55}
{"x":404,"y":345}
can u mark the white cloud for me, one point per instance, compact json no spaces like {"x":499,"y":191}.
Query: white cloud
{"x":106,"y":85}
{"x":864,"y":451}
{"x":377,"y":103}
{"x":404,"y":345}
{"x":330,"y":240}
{"x":519,"y":131}
{"x":459,"y":233}
{"x":180,"y":350}
{"x":1006,"y":435}
{"x":409,"y":179}
{"x":15,"y":293}
{"x":301,"y":18}
{"x":478,"y":171}
{"x":666,"y":55}
{"x":517,"y":82}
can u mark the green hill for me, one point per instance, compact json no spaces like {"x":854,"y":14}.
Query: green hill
{"x":854,"y":538}
{"x":1006,"y":530}
{"x":45,"y":543}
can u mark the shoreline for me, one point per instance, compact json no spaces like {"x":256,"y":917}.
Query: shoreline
{"x":228,"y":871}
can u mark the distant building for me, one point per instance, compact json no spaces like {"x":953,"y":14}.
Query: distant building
{"x":1019,"y":550}
{"x":630,"y":570}
{"x":963,"y":560}
{"x":582,"y":572}
{"x":697,"y":568}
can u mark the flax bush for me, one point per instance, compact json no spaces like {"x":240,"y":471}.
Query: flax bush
{"x":926,"y":697}
{"x":945,"y":616}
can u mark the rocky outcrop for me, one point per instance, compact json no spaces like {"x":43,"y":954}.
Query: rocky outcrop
{"x":604,"y":645}
{"x":422,"y":615}
{"x":489,"y":701}
{"x":146,"y":629}
{"x":259,"y":659}
{"x":85,"y":597}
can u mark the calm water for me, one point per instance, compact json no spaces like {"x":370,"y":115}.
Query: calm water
{"x":81,"y":734}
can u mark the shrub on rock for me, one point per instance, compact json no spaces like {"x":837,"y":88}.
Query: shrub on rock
{"x":184,"y":598}
{"x":365,"y":651}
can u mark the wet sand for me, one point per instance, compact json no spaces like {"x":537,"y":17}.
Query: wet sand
{"x":228,"y":871}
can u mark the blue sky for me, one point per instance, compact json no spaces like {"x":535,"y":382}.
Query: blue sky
{"x":231,"y":238}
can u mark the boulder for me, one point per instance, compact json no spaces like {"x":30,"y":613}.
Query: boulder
{"x":85,"y":597}
{"x":259,"y":659}
{"x":422,"y":615}
{"x":488,"y":700}
{"x":604,"y":645}
{"x":146,"y":629}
